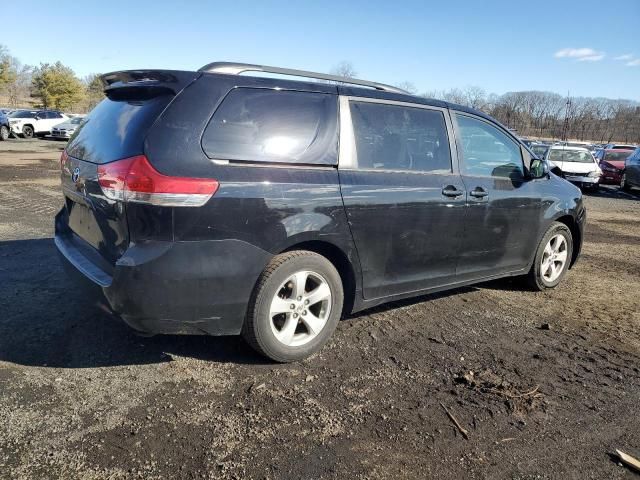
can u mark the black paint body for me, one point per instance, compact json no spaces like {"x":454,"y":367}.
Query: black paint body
{"x":192,"y":270}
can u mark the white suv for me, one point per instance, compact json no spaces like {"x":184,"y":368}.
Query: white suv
{"x":34,"y":122}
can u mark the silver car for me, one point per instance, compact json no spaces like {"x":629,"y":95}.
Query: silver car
{"x":66,"y":129}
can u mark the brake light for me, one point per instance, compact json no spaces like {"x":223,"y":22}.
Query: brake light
{"x":135,"y":180}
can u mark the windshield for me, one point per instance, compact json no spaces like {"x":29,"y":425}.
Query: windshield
{"x":620,"y":156}
{"x":23,"y":114}
{"x":570,"y":156}
{"x":76,"y":120}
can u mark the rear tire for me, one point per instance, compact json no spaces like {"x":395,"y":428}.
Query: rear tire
{"x":4,"y":132}
{"x":552,"y":259}
{"x":27,"y":131}
{"x":295,"y":306}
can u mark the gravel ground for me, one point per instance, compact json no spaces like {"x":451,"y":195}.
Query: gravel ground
{"x":546,"y":384}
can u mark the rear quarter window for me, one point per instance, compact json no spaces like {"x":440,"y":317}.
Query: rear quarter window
{"x":260,"y":125}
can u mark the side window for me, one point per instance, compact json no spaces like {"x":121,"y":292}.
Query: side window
{"x":263,"y":125}
{"x":487,"y":151}
{"x":394,"y":137}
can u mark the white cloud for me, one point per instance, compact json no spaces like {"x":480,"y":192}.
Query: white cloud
{"x":625,"y":57}
{"x":580,"y":54}
{"x":633,"y":63}
{"x":592,"y":58}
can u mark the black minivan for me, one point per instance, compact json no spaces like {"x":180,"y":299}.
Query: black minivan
{"x":216,"y":203}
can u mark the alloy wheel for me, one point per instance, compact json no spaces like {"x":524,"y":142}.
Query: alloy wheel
{"x":300,"y":309}
{"x":554,"y":258}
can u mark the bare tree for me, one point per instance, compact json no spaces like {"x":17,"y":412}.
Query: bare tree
{"x":475,"y":97}
{"x":344,"y":69}
{"x":407,"y":87}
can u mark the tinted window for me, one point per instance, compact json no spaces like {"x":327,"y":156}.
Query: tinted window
{"x":487,"y":151}
{"x":116,"y":129}
{"x":23,"y":114}
{"x":394,"y":137}
{"x":274,"y":126}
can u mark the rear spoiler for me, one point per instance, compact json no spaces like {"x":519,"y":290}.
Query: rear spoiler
{"x":158,"y":81}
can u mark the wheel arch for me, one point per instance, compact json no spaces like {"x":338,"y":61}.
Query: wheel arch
{"x":340,"y":261}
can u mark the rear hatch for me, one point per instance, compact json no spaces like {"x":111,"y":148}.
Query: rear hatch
{"x":114,"y":130}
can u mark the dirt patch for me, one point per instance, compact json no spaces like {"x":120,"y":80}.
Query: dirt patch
{"x":546,"y":384}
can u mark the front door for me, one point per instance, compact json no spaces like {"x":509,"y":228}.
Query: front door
{"x":502,"y":222}
{"x":404,"y":202}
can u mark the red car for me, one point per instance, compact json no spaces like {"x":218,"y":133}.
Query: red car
{"x":612,"y":164}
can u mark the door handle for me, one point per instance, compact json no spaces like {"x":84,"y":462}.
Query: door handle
{"x":478,"y":192}
{"x":451,"y":191}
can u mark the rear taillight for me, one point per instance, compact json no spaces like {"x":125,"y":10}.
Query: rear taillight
{"x":135,"y":180}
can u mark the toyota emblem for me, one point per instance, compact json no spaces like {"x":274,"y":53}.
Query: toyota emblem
{"x":75,"y":175}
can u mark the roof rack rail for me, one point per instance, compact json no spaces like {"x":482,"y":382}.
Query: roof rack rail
{"x":231,"y":68}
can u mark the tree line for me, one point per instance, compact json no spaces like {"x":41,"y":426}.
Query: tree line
{"x":48,"y":85}
{"x":553,"y":116}
{"x":530,"y":113}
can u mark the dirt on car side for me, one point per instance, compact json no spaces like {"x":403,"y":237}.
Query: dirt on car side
{"x":545,"y":385}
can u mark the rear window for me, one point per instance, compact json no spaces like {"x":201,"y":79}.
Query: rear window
{"x":116,"y":129}
{"x":619,"y":156}
{"x":260,"y":125}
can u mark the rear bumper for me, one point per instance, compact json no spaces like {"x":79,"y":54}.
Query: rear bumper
{"x":198,"y":287}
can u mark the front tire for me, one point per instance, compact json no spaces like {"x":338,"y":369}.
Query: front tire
{"x":553,"y":257}
{"x":27,"y":131}
{"x":624,"y":186}
{"x":4,"y":132}
{"x":295,"y":307}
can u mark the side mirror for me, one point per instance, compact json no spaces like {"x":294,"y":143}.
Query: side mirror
{"x":538,"y":169}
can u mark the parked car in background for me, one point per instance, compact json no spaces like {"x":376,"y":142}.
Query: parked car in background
{"x":630,"y":177}
{"x":6,"y":111}
{"x":30,"y":123}
{"x":5,"y":129}
{"x":66,"y":129}
{"x":270,"y":207}
{"x":612,"y":164}
{"x":540,"y":149}
{"x":618,"y":146}
{"x":576,"y":165}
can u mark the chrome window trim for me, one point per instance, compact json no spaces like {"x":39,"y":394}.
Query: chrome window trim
{"x":348,"y":155}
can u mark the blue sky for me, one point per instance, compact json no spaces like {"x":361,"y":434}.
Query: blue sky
{"x":587,"y":47}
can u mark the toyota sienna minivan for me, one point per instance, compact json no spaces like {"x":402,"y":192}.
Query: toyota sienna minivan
{"x":217,"y":203}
